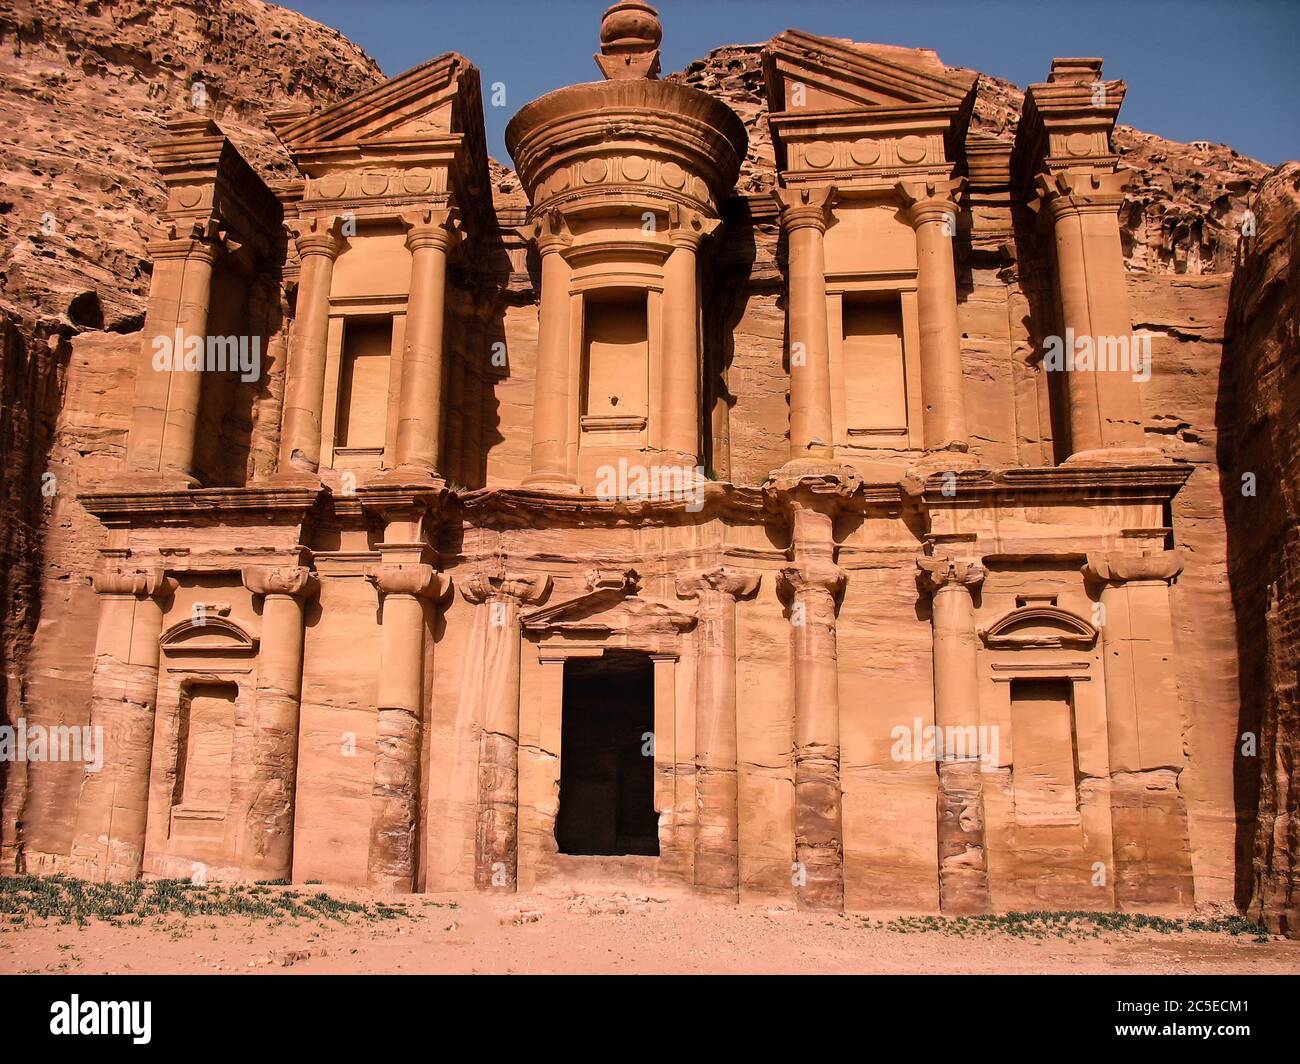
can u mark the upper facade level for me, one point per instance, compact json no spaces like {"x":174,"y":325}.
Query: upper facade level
{"x":412,"y":330}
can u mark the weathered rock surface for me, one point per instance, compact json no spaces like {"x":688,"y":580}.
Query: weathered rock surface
{"x":1261,"y":461}
{"x":83,"y":89}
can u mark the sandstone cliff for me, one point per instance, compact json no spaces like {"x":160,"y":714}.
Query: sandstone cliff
{"x":84,"y":87}
{"x":1261,"y":459}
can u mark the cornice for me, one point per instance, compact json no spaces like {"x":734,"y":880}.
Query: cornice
{"x":151,"y":508}
{"x":516,"y":507}
{"x":1067,"y":482}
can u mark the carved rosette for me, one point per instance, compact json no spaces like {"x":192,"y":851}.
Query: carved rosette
{"x":657,"y":142}
{"x":136,"y":583}
{"x":1121,"y":567}
{"x":289,"y":581}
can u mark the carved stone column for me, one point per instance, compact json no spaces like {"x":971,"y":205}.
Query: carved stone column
{"x":112,"y":809}
{"x":717,"y":835}
{"x":811,"y":494}
{"x":430,"y":236}
{"x":395,"y":797}
{"x":319,"y":243}
{"x":553,"y":392}
{"x":267,"y":850}
{"x":1105,"y":412}
{"x":496,"y":836}
{"x":1144,"y":729}
{"x":813,"y":589}
{"x":805,"y":214}
{"x":932,"y":212}
{"x":164,"y":417}
{"x":682,"y":372}
{"x":963,"y":861}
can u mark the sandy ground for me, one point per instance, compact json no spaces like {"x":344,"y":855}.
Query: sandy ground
{"x":603,"y":933}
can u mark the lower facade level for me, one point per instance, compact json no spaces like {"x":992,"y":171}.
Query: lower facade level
{"x":955,"y":694}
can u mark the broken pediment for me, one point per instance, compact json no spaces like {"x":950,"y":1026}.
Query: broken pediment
{"x":611,"y":606}
{"x":805,"y":72}
{"x":437,"y":99}
{"x":1039,"y":626}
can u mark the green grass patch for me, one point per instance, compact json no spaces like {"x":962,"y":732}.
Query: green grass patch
{"x":75,"y":901}
{"x":1066,"y":925}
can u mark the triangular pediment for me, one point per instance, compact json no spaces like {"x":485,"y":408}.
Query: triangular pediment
{"x":438,"y":98}
{"x":817,"y":74}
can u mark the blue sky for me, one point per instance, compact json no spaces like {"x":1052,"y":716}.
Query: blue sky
{"x":1195,"y":70}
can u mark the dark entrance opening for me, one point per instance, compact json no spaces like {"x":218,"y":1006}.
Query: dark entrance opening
{"x":606,"y":780}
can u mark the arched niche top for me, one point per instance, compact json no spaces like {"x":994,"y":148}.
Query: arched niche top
{"x":1039,"y":626}
{"x":213,"y":635}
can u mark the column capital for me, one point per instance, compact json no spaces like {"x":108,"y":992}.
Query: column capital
{"x":138,"y":583}
{"x":549,"y":230}
{"x":319,"y":235}
{"x":941,"y":573}
{"x":415,"y":580}
{"x":930,"y":201}
{"x":197,"y":238}
{"x":291,"y":581}
{"x":689,"y":229}
{"x":1125,"y":567}
{"x":824,"y":486}
{"x":801,"y":207}
{"x":1078,"y":191}
{"x":496,"y":584}
{"x":813,"y":576}
{"x":738,"y":583}
{"x":432,"y":227}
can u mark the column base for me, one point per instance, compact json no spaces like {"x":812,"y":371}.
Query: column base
{"x":944,"y":462}
{"x":408,"y":475}
{"x":149,"y":480}
{"x":552,"y":482}
{"x":1118,"y":456}
{"x":293,"y":478}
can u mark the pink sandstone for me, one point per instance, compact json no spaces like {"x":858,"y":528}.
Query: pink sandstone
{"x":648,"y":511}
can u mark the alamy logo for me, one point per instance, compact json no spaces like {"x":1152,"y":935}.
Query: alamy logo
{"x":931,"y":742}
{"x":210,"y":354}
{"x":132,"y":1018}
{"x":1098,"y":354}
{"x":55,"y":742}
{"x":669,"y":483}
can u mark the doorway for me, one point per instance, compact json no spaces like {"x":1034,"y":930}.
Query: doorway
{"x":607,"y":757}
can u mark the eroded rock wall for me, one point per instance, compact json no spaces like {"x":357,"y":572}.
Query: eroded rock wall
{"x":1261,"y":462}
{"x":83,"y":89}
